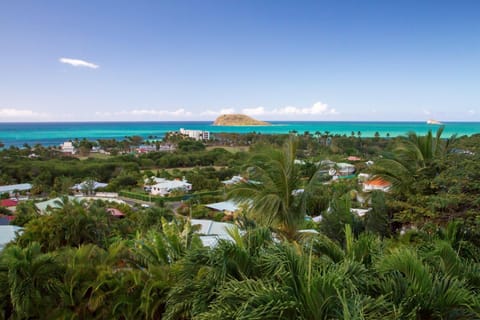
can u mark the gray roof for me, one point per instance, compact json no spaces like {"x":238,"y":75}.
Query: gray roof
{"x":13,"y":187}
{"x":7,"y":234}
{"x":52,"y":203}
{"x":210,"y":227}
{"x":84,"y":184}
{"x":223,"y":206}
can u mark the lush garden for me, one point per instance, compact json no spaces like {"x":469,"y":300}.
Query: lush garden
{"x":415,"y":255}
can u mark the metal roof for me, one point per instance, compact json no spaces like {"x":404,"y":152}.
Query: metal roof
{"x":7,"y":234}
{"x":84,"y":184}
{"x":14,"y":187}
{"x":223,"y":206}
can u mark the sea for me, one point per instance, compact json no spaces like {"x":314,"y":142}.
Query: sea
{"x":55,"y":133}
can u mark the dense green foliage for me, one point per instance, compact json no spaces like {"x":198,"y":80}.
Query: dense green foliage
{"x":414,"y":255}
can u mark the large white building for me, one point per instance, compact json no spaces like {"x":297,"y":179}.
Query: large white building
{"x":196,"y":134}
{"x":163,"y":187}
{"x":67,"y":147}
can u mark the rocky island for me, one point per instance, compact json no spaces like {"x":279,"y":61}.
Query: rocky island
{"x":238,"y":120}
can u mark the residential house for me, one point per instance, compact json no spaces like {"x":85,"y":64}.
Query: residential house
{"x":227,"y":207}
{"x":376,"y":184}
{"x":211,"y":232}
{"x":354,"y":158}
{"x":115,"y":212}
{"x":234,"y":180}
{"x":55,"y":203}
{"x":163,"y":187}
{"x":13,"y":189}
{"x":10,"y":204}
{"x":146,"y":149}
{"x":345,"y":169}
{"x":7,"y":234}
{"x":67,"y":147}
{"x":88,"y":186}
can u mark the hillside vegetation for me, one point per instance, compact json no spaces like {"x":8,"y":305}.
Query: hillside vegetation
{"x":238,"y":120}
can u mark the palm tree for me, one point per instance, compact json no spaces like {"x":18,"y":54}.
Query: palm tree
{"x":34,"y":279}
{"x":420,"y":291}
{"x":413,"y":156}
{"x":272,"y":195}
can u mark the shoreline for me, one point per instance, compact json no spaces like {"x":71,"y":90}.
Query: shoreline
{"x":55,"y":133}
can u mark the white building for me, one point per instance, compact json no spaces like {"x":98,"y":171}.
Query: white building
{"x":196,"y":134}
{"x":67,"y":147}
{"x":234,"y":180}
{"x":345,"y":169}
{"x":163,"y":186}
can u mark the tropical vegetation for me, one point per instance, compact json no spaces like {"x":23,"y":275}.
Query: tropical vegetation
{"x":414,"y":255}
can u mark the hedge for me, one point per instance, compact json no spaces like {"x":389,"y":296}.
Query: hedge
{"x":150,"y":198}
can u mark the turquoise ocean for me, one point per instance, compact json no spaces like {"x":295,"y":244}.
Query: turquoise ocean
{"x":48,"y":134}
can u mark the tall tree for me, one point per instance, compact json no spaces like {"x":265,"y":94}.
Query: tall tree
{"x":412,"y":157}
{"x":271,"y":192}
{"x":35,"y":280}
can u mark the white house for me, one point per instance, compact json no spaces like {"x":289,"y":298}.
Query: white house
{"x":164,"y":187}
{"x":345,"y":169}
{"x":196,"y":134}
{"x":67,"y":147}
{"x":234,"y":180}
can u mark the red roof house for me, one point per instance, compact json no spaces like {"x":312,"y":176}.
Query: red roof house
{"x":115,"y":212}
{"x":8,"y":203}
{"x":377,"y":184}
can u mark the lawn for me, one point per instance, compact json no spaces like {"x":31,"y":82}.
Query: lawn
{"x":230,"y":149}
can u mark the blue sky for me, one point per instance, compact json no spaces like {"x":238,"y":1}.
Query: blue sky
{"x":275,"y":60}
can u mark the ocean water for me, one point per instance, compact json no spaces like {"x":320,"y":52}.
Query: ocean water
{"x":56,"y":133}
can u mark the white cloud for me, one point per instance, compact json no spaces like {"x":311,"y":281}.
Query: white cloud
{"x":79,"y":63}
{"x":426,"y":112}
{"x":10,"y":113}
{"x":145,"y":112}
{"x":471,"y":111}
{"x":254,"y":111}
{"x":318,"y":108}
{"x":153,"y":112}
{"x":218,"y":112}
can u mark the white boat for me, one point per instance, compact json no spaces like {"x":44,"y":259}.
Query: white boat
{"x":431,"y":121}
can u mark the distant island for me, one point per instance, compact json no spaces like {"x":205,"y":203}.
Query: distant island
{"x":432,"y":121}
{"x":238,"y":120}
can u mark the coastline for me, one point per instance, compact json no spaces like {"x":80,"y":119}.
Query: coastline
{"x":54,"y":133}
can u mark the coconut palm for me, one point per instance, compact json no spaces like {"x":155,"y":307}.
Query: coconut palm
{"x":34,"y":280}
{"x":272,"y":194}
{"x":413,"y":156}
{"x":420,"y":291}
{"x":202,"y":271}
